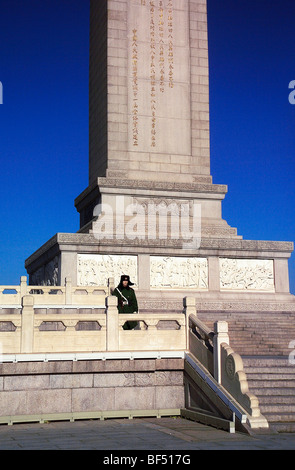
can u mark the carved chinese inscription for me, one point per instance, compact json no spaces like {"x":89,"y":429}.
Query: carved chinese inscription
{"x":159,"y":102}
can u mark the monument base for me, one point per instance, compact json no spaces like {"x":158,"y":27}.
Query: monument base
{"x":121,"y":196}
{"x":217,"y":267}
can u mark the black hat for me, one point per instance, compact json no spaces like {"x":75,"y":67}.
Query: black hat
{"x":126,"y":278}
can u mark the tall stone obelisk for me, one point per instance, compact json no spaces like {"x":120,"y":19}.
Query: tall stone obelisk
{"x":149,"y":103}
{"x":149,"y":161}
{"x":149,"y":91}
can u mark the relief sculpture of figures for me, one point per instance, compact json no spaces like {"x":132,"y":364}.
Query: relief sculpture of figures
{"x":246,"y":274}
{"x":179,"y":272}
{"x":97,"y":269}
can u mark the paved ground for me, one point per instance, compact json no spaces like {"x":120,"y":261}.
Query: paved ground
{"x":165,"y":434}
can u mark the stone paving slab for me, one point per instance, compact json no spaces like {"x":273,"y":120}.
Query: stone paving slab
{"x":164,"y":434}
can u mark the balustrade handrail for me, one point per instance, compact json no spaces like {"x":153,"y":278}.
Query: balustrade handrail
{"x":206,"y":333}
{"x":39,"y":328}
{"x":63,"y":295}
{"x":7,"y":287}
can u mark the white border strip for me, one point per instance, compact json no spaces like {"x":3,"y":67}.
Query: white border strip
{"x":91,"y":356}
{"x":64,"y":307}
{"x":10,"y":306}
{"x":48,"y":306}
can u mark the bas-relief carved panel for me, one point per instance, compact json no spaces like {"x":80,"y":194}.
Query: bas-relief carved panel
{"x":246,"y":274}
{"x":178,"y":273}
{"x":97,"y":269}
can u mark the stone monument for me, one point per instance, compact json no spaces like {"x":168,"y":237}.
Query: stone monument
{"x":151,"y":209}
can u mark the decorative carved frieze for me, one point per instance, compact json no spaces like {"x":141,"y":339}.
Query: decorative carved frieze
{"x":160,"y":185}
{"x":220,"y":244}
{"x":246,"y":274}
{"x":220,"y":306}
{"x":97,"y":269}
{"x":178,"y":273}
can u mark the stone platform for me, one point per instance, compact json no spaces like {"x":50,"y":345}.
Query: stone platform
{"x":68,"y":389}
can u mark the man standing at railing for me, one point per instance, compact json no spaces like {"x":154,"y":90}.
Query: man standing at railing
{"x":127,"y":302}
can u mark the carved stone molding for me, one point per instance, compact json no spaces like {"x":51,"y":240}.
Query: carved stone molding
{"x":161,"y":185}
{"x":220,"y":306}
{"x":220,"y":243}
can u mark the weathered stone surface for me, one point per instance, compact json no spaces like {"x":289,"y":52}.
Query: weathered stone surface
{"x":53,"y":387}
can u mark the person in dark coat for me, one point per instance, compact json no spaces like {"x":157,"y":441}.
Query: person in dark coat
{"x":127,"y":302}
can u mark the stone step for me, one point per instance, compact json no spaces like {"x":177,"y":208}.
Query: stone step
{"x":267,"y":346}
{"x":266,"y":361}
{"x":271,"y":392}
{"x":282,"y":342}
{"x":242,"y":351}
{"x":278,"y":342}
{"x":270,"y":375}
{"x":269,"y":370}
{"x":253,"y":347}
{"x":277,"y":399}
{"x":251,"y":341}
{"x":261,"y":327}
{"x":267,"y":316}
{"x":254,"y":384}
{"x":251,"y":351}
{"x":270,"y":324}
{"x":257,"y":333}
{"x":277,"y":409}
{"x":263,"y":331}
{"x":262,"y":350}
{"x":283,"y":427}
{"x":280,"y":417}
{"x":259,"y":343}
{"x":266,"y":324}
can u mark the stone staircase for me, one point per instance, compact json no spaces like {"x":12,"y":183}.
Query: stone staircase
{"x":263,"y":341}
{"x":272,"y":380}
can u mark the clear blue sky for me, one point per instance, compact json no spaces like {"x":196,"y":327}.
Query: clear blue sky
{"x":44,"y":120}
